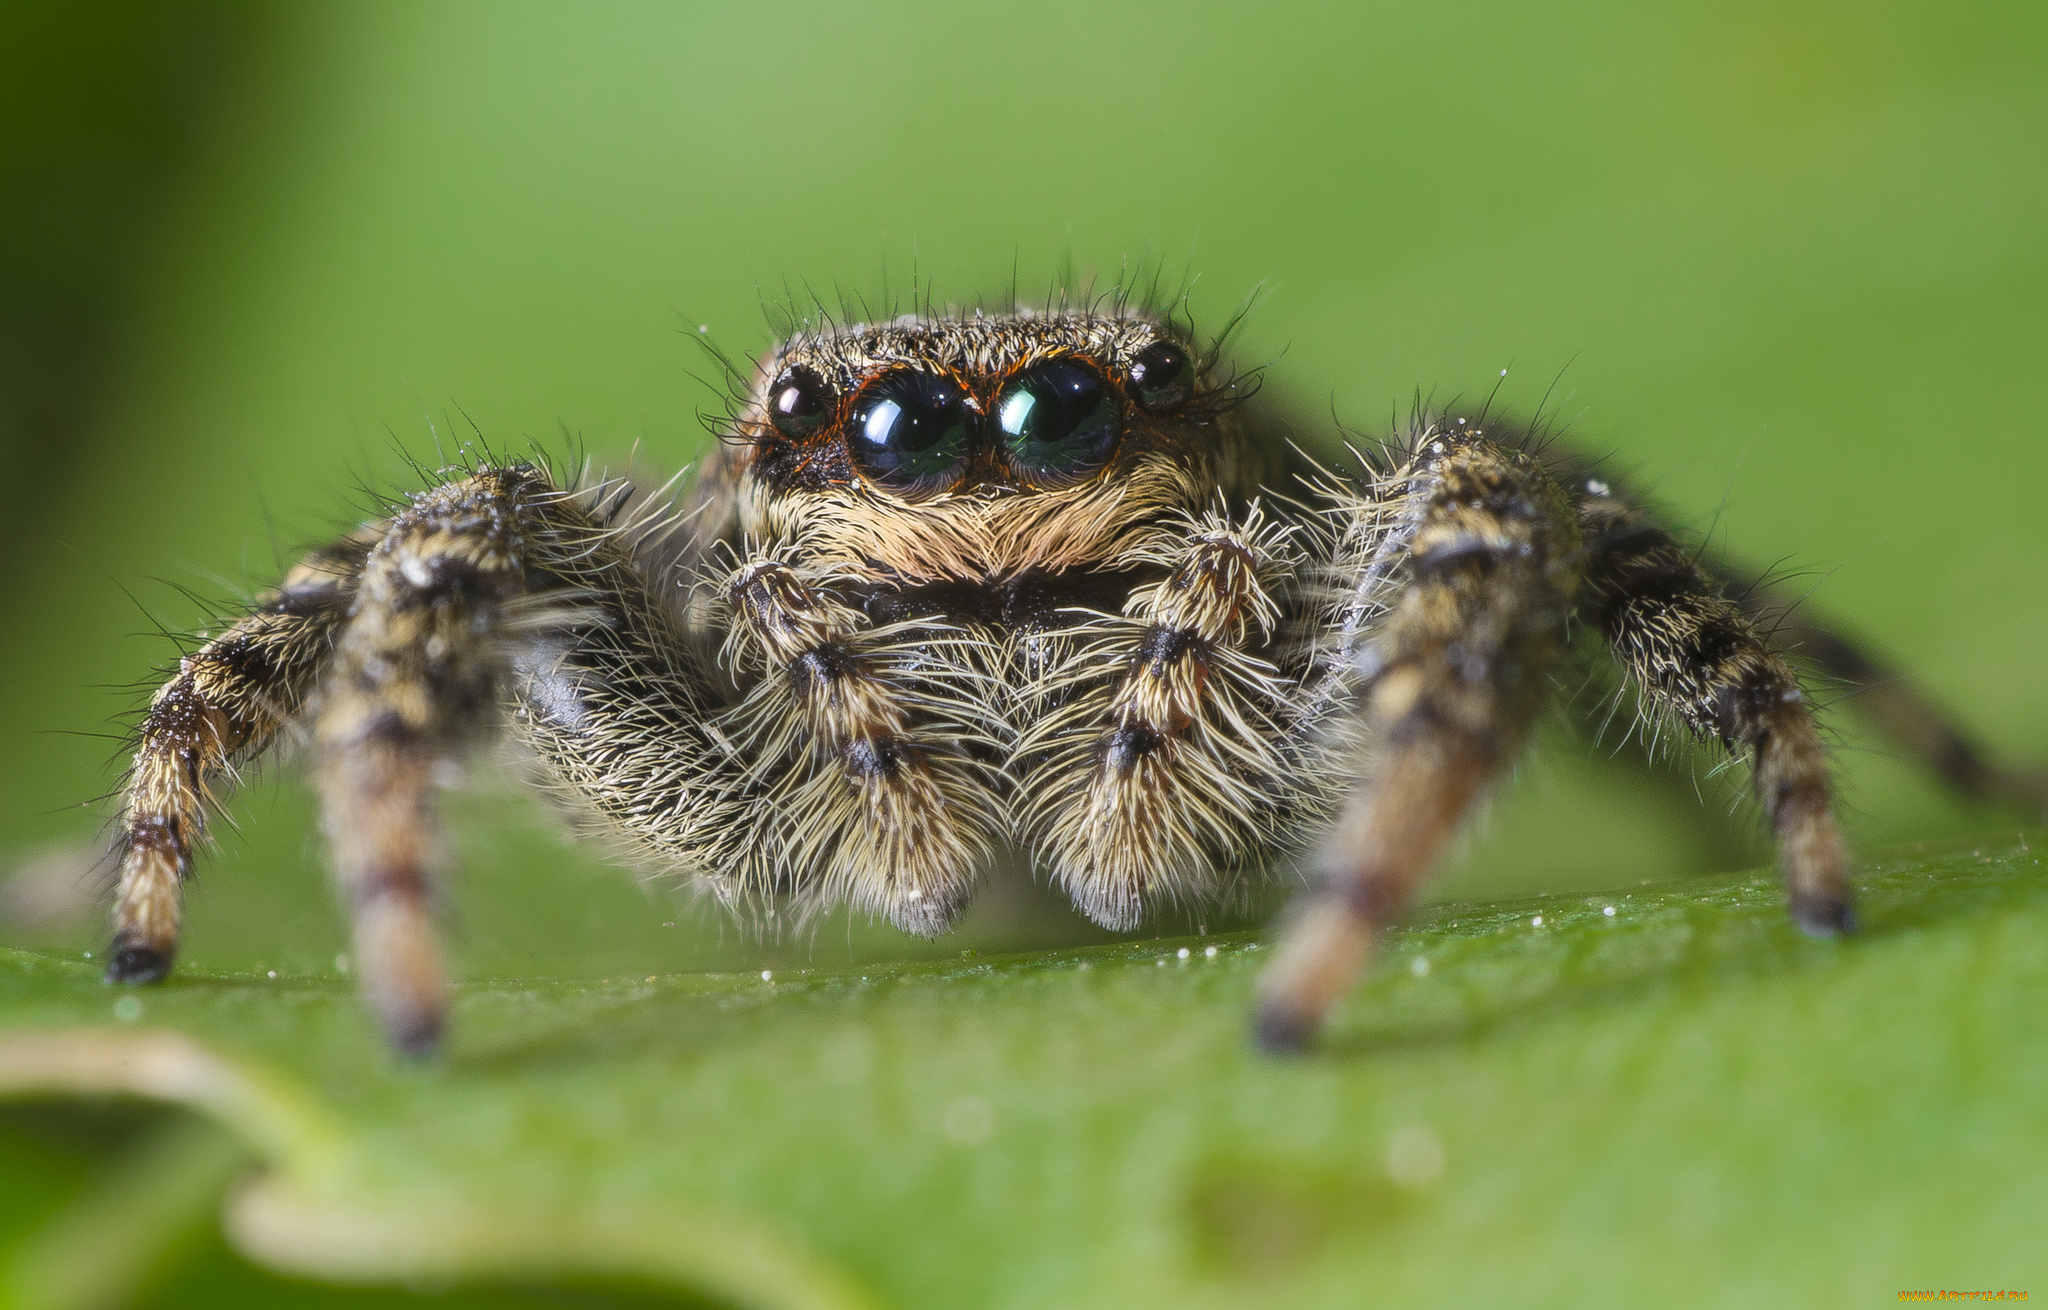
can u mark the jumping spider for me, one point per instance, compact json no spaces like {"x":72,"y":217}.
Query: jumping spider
{"x":954,"y":582}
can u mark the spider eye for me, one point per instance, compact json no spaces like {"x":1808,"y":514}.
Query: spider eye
{"x":1059,"y":418}
{"x":1160,"y":375}
{"x":909,"y":429}
{"x":798,"y":402}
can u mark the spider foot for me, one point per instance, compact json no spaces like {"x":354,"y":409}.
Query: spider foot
{"x":416,"y":1038}
{"x":1822,"y":914}
{"x":1282,"y":1029}
{"x":134,"y":964}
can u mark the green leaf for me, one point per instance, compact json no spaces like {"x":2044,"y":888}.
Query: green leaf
{"x":1532,"y":1102}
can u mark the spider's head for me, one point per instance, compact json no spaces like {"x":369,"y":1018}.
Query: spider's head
{"x":997,"y":438}
{"x":918,"y":409}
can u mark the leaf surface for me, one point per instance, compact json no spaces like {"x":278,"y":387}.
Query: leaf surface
{"x":1529,"y":1102}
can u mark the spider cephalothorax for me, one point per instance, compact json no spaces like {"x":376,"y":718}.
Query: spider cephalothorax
{"x":949,"y":584}
{"x":979,"y":449}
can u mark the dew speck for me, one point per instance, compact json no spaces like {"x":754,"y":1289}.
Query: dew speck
{"x":1419,"y":966}
{"x":271,"y":974}
{"x":1607,"y":910}
{"x":1184,"y":952}
{"x":767,"y":975}
{"x":88,"y":955}
{"x":969,"y":1121}
{"x":1536,"y":922}
{"x":128,"y":1009}
{"x":1209,"y":951}
{"x":1415,"y":1157}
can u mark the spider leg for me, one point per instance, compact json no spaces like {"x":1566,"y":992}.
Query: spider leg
{"x":416,"y":679}
{"x":1480,"y":556}
{"x":401,"y":644}
{"x":222,"y":708}
{"x":1891,"y":701}
{"x":1692,"y":652}
{"x":1901,"y":710}
{"x":1155,"y":757}
{"x":886,"y":812}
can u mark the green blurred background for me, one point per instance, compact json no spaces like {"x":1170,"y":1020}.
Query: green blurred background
{"x":1785,"y":261}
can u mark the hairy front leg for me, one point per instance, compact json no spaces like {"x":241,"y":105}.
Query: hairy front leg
{"x":223,"y":707}
{"x":1480,"y":573}
{"x":881,"y":799}
{"x":1156,"y":758}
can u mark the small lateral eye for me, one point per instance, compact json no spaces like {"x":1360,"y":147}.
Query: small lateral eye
{"x":798,"y":402}
{"x":1159,"y":375}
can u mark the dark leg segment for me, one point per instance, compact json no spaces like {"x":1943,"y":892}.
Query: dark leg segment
{"x":1692,"y":652}
{"x":1453,"y":675}
{"x":227,"y":701}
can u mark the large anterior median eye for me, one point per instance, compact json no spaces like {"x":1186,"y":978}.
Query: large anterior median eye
{"x":1059,"y":418}
{"x":909,"y":429}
